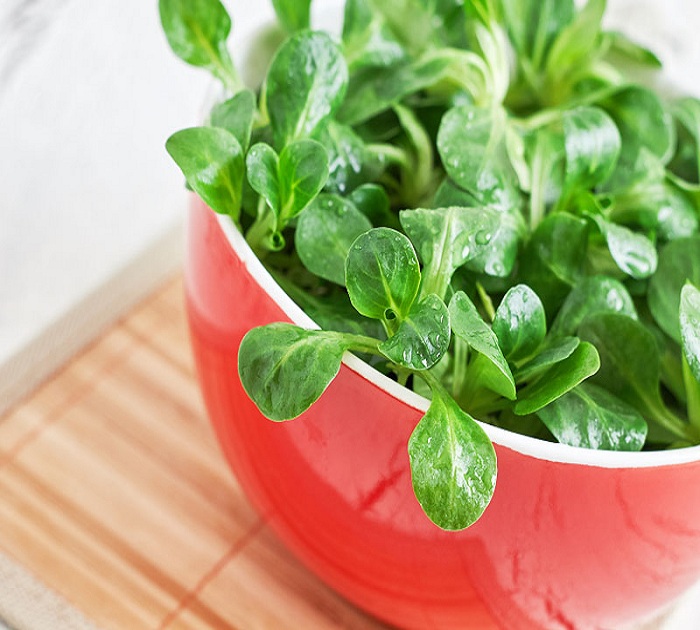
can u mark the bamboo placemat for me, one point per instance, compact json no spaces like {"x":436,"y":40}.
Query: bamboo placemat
{"x":115,"y":499}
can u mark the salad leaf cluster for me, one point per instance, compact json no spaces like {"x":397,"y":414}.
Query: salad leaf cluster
{"x":478,"y":200}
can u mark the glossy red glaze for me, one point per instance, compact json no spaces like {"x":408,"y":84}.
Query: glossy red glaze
{"x":562,"y":545}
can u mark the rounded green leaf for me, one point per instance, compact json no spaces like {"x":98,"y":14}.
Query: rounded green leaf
{"x":453,"y":464}
{"x":325,"y":231}
{"x":593,"y":294}
{"x":302,"y":172}
{"x":382,"y":274}
{"x":591,"y":417}
{"x":520,"y":323}
{"x":197,"y":31}
{"x":422,"y":338}
{"x":236,"y":115}
{"x":690,"y":327}
{"x":305,"y":84}
{"x":211,"y":160}
{"x":285,"y":369}
{"x":679,"y":261}
{"x":373,"y":201}
{"x":592,"y":145}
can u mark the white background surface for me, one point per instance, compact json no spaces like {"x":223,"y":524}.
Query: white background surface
{"x":91,"y":208}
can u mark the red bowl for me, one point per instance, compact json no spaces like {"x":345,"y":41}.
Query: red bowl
{"x":572,"y":538}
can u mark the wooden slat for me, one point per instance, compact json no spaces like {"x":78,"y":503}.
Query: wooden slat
{"x":114,"y":494}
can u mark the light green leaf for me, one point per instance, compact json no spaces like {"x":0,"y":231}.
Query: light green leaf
{"x":212,"y":162}
{"x":690,"y":327}
{"x":305,"y":84}
{"x":453,"y":464}
{"x":294,"y":15}
{"x":236,"y":116}
{"x":324,"y":234}
{"x":633,"y":252}
{"x":285,"y":369}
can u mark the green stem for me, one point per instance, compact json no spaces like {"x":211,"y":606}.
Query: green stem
{"x":459,"y":371}
{"x":486,"y":301}
{"x":259,"y":235}
{"x":668,"y":420}
{"x":692,"y":389}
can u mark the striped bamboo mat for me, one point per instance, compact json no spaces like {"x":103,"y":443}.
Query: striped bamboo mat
{"x":115,"y":500}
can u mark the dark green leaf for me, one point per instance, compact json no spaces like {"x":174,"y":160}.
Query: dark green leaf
{"x":562,"y":377}
{"x":629,"y":366}
{"x":593,"y":294}
{"x":346,"y":156}
{"x":679,"y":261}
{"x":212,"y":162}
{"x":236,"y":116}
{"x":373,"y":202}
{"x":468,"y":325}
{"x":422,"y":338}
{"x":285,"y":369}
{"x":643,"y":121}
{"x":453,"y":464}
{"x":520,"y":323}
{"x":634,"y":253}
{"x":305,"y":84}
{"x":197,"y":31}
{"x":592,"y":145}
{"x":690,"y":327}
{"x":294,"y":15}
{"x":553,"y":260}
{"x":382,"y":274}
{"x":591,"y":417}
{"x":324,"y":234}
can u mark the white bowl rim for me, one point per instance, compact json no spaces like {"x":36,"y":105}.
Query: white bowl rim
{"x":529,"y":446}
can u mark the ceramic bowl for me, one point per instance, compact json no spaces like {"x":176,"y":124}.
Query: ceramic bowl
{"x":573,"y":538}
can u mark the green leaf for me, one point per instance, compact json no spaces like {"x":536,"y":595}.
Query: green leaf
{"x":592,"y":145}
{"x":623,"y":46}
{"x":305,"y":84}
{"x":468,"y":325}
{"x":471,"y":144}
{"x":453,"y":464}
{"x":367,"y":38}
{"x":262,"y":164}
{"x":197,"y":31}
{"x":679,"y":261}
{"x":236,"y":116}
{"x":303,"y":171}
{"x":324,"y":234}
{"x":520,"y":323}
{"x":591,"y":417}
{"x":633,"y":253}
{"x":629,"y":366}
{"x":643,"y":122}
{"x":422,"y":338}
{"x":576,"y":42}
{"x":382,"y":274}
{"x":690,"y":327}
{"x":347,"y":156}
{"x":212,"y":162}
{"x":373,"y":201}
{"x":294,"y":15}
{"x":285,"y":369}
{"x":592,"y":294}
{"x":553,"y":260}
{"x":447,"y":238}
{"x":554,"y":351}
{"x":562,"y":377}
